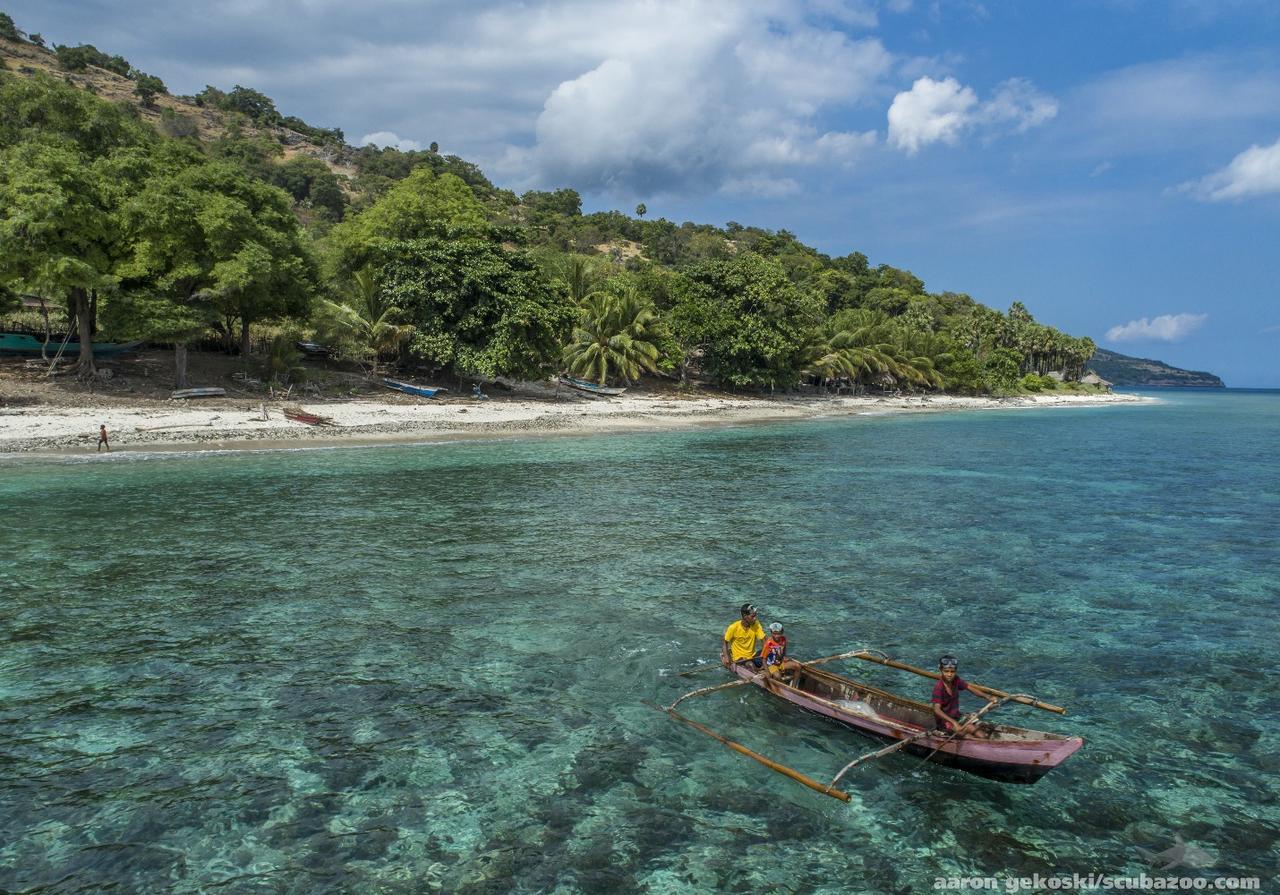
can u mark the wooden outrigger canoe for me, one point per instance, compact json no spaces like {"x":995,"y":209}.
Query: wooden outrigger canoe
{"x":409,"y":388}
{"x":1010,"y":755}
{"x":591,"y":388}
{"x":184,"y":394}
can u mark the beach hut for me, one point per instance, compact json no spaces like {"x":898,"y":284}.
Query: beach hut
{"x":1092,"y":378}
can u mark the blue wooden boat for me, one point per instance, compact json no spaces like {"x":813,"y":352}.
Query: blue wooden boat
{"x":591,"y":388}
{"x":410,"y":389}
{"x":27,"y":345}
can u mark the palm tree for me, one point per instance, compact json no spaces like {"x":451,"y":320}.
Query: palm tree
{"x":615,"y":333}
{"x":854,"y":343}
{"x":368,"y":323}
{"x":580,"y":277}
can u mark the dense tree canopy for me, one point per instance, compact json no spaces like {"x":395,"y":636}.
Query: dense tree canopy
{"x":476,"y":308}
{"x":748,"y":320}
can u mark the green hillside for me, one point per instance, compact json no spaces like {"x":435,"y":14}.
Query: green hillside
{"x":215,"y":218}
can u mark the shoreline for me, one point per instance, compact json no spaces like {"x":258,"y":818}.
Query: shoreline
{"x":237,"y":425}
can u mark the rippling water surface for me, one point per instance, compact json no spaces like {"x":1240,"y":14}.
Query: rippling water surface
{"x":424,"y":668}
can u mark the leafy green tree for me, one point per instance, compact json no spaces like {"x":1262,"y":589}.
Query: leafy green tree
{"x":641,"y":210}
{"x":80,"y":57}
{"x":1000,"y":369}
{"x":477,"y":308}
{"x":309,"y":180}
{"x":8,"y":29}
{"x":148,"y":87}
{"x":44,"y":108}
{"x":422,"y":205}
{"x":566,"y":203}
{"x":748,"y":320}
{"x":254,"y":105}
{"x":57,"y":232}
{"x":210,"y":245}
{"x":616,"y":334}
{"x":255,"y":155}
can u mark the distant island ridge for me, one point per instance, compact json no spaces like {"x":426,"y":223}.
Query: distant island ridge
{"x":1122,"y":370}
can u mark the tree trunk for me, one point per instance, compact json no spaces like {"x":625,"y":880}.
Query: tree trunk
{"x":84,"y":327}
{"x":180,"y":365}
{"x":244,"y":336}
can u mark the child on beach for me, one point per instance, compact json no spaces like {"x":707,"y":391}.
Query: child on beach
{"x":102,"y":438}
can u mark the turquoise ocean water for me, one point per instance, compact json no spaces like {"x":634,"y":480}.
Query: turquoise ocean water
{"x":424,"y":668}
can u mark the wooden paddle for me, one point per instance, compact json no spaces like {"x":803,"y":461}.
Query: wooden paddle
{"x":972,"y":720}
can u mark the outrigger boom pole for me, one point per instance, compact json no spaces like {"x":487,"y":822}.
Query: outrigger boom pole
{"x":767,"y":762}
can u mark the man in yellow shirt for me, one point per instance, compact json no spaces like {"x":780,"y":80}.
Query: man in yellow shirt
{"x":740,"y":638}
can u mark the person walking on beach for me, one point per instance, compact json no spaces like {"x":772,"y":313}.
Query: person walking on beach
{"x":102,"y":438}
{"x":946,"y":700}
{"x":740,"y":638}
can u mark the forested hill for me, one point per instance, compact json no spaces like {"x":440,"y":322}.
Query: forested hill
{"x":217,"y":218}
{"x":1120,"y":369}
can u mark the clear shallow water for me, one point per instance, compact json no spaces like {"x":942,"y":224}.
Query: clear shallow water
{"x":419,"y":669}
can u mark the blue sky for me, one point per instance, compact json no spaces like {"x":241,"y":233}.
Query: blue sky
{"x":1113,"y":164}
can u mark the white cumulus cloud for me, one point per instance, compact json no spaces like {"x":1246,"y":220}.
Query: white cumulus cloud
{"x":1165,"y":328}
{"x":387,"y":138}
{"x":1254,"y":172}
{"x":739,"y":97}
{"x":941,"y":111}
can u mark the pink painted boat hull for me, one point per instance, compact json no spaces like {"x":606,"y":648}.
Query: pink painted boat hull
{"x":1012,"y":755}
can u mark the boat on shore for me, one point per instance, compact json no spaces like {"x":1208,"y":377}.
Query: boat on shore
{"x":1009,"y":755}
{"x":590,"y":388}
{"x":410,"y":389}
{"x":27,"y":345}
{"x":183,"y":394}
{"x":298,"y":415}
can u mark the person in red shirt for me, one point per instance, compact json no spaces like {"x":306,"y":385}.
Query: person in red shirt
{"x":774,"y":651}
{"x":946,"y":700}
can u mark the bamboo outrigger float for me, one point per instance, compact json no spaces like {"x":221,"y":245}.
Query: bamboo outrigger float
{"x":1008,"y":754}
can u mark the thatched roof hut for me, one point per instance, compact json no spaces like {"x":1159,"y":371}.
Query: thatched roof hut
{"x":1092,"y":378}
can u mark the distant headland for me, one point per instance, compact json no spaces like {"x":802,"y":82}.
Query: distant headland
{"x":1122,"y":370}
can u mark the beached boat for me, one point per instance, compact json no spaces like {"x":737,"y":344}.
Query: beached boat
{"x":298,"y":415}
{"x":185,"y":393}
{"x":410,"y":389}
{"x":1010,"y":755}
{"x":591,"y":388}
{"x":27,"y":345}
{"x":313,"y":349}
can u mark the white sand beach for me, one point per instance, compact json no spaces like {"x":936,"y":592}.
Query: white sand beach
{"x":533,"y":409}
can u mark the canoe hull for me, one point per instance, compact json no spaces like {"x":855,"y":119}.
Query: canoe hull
{"x":24,"y":345}
{"x":591,"y":388}
{"x":1012,"y":755}
{"x":410,"y":389}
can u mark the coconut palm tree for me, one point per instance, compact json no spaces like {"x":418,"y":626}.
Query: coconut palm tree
{"x":616,"y":334}
{"x":367,"y":325}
